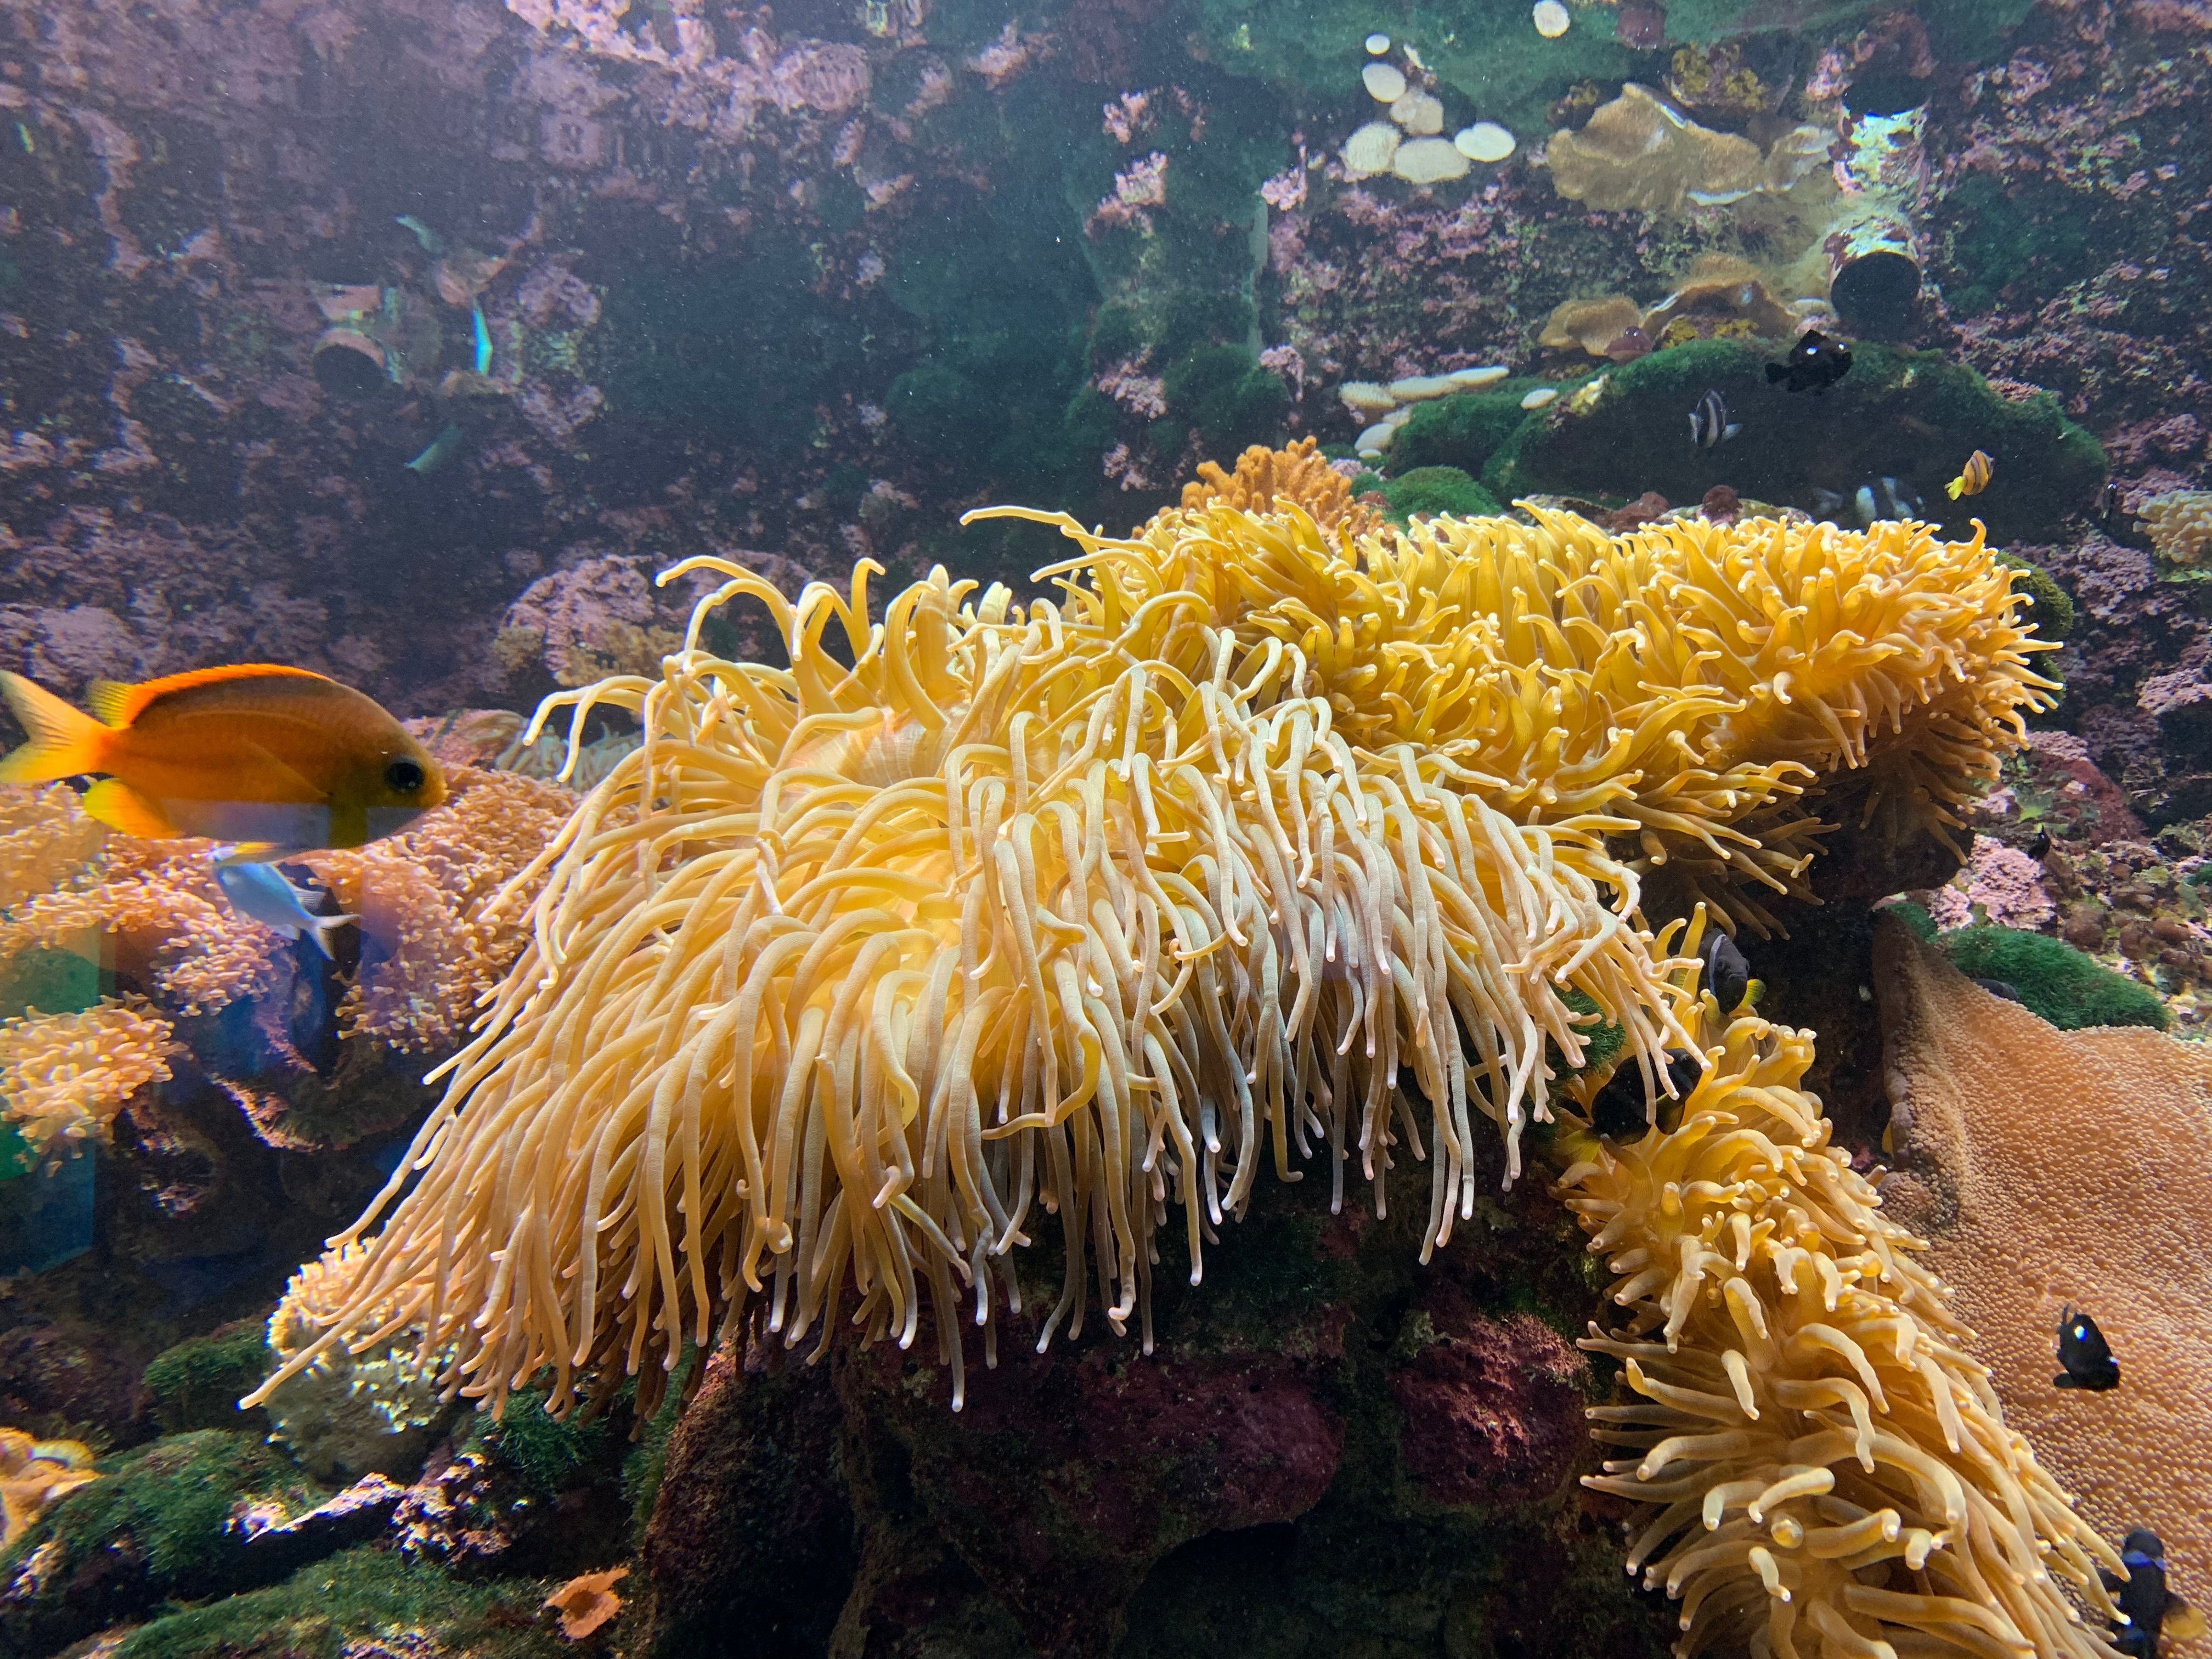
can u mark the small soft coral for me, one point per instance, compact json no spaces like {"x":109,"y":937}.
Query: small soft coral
{"x":65,"y":1077}
{"x":1268,"y":480}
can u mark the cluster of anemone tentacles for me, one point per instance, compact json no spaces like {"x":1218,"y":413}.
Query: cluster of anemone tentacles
{"x":859,"y":973}
{"x":1821,"y":1468}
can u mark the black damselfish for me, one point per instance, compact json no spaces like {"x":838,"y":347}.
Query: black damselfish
{"x":1813,"y":364}
{"x":2083,"y":1352}
{"x":2148,"y":1610}
{"x":1619,"y":1113}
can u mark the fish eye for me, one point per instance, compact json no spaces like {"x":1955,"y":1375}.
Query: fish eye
{"x":403,"y":776}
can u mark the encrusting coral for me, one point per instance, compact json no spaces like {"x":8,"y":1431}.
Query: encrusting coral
{"x":32,"y":1474}
{"x":2105,"y":1205}
{"x":1823,"y":1469}
{"x":1257,"y":836}
{"x":65,"y":1077}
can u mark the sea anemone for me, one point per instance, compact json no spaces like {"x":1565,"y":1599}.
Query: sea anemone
{"x":854,"y":968}
{"x":1822,"y":1468}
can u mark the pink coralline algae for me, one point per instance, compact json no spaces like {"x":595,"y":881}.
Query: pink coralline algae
{"x":1492,"y":1408}
{"x":2004,"y":885}
{"x":1140,"y":185}
{"x":1143,"y":395}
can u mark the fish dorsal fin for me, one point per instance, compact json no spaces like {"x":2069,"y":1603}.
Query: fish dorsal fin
{"x":118,"y":705}
{"x":119,"y":806}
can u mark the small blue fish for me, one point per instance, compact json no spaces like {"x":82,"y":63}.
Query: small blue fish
{"x":443,"y":447}
{"x":432,"y":242}
{"x":484,"y":344}
{"x":262,"y":893}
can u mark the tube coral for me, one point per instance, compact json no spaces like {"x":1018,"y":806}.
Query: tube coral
{"x":65,"y":1077}
{"x":1822,"y":1468}
{"x":1272,"y":480}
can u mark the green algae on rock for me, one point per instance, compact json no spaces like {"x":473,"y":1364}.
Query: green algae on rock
{"x":2055,"y":980}
{"x":1907,"y":415}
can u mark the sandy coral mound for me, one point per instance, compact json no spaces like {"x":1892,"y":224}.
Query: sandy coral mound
{"x":1272,"y":480}
{"x":2050,"y":1167}
{"x":1821,"y":1465}
{"x":65,"y":1077}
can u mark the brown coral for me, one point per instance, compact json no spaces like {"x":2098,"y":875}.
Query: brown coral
{"x":1593,"y":323}
{"x":1639,"y":152}
{"x":2049,"y":1167}
{"x":1268,"y":480}
{"x":588,"y":1602}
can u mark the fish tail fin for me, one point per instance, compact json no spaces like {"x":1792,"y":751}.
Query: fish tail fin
{"x":119,"y":806}
{"x":1774,"y":372}
{"x":1735,"y":430}
{"x":325,"y":928}
{"x":1955,"y":489}
{"x":64,"y":742}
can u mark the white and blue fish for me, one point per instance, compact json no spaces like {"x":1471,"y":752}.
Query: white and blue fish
{"x":262,"y":893}
{"x":1709,"y":426}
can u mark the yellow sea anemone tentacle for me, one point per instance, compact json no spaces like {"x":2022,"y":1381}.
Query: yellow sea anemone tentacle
{"x":1823,"y":1468}
{"x":847,"y":971}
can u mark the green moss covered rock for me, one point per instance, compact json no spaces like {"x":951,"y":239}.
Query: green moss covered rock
{"x":2049,"y":606}
{"x":1911,"y":416}
{"x":364,"y":1601}
{"x":2055,"y":980}
{"x":1463,"y":430}
{"x":157,"y":1526}
{"x":198,"y":1383}
{"x":1431,"y":491}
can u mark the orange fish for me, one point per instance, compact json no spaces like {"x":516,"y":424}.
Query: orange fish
{"x":279,"y":758}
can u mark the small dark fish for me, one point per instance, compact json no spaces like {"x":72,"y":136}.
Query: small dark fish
{"x":1619,"y":1112}
{"x":1628,"y":345}
{"x":1709,"y":426}
{"x":1997,"y":987}
{"x":2083,"y":1351}
{"x":2108,"y":505}
{"x":1813,"y":364}
{"x":1727,"y":976}
{"x":2040,"y":846}
{"x":2148,"y":1610}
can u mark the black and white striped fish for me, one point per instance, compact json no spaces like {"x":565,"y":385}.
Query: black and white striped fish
{"x":1709,"y":426}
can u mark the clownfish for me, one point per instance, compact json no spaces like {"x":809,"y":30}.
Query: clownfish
{"x":1973,"y":477}
{"x":282,"y":759}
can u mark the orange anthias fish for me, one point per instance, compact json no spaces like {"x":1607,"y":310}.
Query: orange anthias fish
{"x":282,"y":759}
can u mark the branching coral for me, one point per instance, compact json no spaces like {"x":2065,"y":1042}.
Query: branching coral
{"x":1823,"y":1469}
{"x":1271,"y":480}
{"x":64,"y":1077}
{"x":46,"y":840}
{"x":32,"y":1474}
{"x":434,"y":943}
